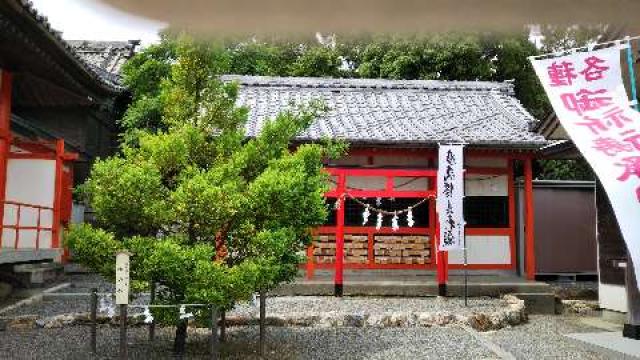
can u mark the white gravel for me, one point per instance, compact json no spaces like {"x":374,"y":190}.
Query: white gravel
{"x":291,"y":305}
{"x":541,"y":338}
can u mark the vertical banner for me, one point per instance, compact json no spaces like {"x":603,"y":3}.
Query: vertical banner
{"x":450,"y":196}
{"x":588,"y":95}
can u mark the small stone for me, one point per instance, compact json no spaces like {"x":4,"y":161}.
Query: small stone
{"x":355,"y":320}
{"x":426,"y":319}
{"x":442,"y":319}
{"x":395,"y":320}
{"x":27,"y":322}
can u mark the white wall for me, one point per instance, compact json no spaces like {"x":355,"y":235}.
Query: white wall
{"x":486,"y":162}
{"x":484,"y":250}
{"x":613,"y":297}
{"x":486,"y":185}
{"x":29,"y":181}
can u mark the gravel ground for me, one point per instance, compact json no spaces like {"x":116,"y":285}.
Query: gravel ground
{"x":353,"y":305}
{"x":540,"y":339}
{"x":83,"y":283}
{"x":282,"y":343}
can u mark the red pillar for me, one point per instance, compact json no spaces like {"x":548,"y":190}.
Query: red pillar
{"x":57,"y":199}
{"x":5,"y":137}
{"x":310,"y":267}
{"x":338,"y":281}
{"x":530,"y":250}
{"x":442,"y":259}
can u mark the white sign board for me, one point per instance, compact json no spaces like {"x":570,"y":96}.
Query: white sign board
{"x":450,"y":197}
{"x":588,"y":94}
{"x":122,"y":278}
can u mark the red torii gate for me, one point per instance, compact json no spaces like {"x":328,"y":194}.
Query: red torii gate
{"x":341,"y":190}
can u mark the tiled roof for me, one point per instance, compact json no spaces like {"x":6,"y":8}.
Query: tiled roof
{"x":102,"y":75}
{"x":405,"y":112}
{"x":106,"y":57}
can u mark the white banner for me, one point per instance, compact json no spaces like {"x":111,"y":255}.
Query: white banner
{"x":588,"y":94}
{"x":450,"y":197}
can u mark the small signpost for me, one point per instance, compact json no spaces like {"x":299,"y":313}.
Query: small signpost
{"x":122,"y":297}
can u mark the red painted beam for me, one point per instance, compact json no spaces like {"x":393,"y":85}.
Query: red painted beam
{"x":530,"y":251}
{"x":6,"y":89}
{"x":57,"y":199}
{"x":339,"y":272}
{"x":512,"y":214}
{"x":381,"y":172}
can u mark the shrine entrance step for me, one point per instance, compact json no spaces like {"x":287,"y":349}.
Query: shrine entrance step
{"x":419,"y":283}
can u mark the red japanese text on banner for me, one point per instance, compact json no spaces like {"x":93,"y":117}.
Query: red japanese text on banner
{"x":588,"y":95}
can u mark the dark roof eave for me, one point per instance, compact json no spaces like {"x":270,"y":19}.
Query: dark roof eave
{"x":61,"y":52}
{"x":529,"y":147}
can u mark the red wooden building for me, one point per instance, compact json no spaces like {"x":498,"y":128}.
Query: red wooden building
{"x":393,"y":128}
{"x":58,"y":106}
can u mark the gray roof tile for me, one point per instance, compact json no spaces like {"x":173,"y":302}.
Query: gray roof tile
{"x":108,"y":56}
{"x":399,"y":112}
{"x":109,"y":79}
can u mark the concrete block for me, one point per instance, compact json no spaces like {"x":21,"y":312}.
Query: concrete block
{"x":539,"y":303}
{"x":38,"y":274}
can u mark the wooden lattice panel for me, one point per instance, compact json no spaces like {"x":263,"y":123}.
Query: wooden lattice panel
{"x":355,"y":249}
{"x":402,"y":249}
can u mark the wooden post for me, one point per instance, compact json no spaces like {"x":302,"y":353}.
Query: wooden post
{"x":94,"y":320}
{"x":339,"y":268}
{"x":530,"y":250}
{"x":152,"y":300}
{"x":632,"y":327}
{"x":214,"y":332}
{"x":223,"y":326}
{"x":442,"y":260}
{"x":6,"y":88}
{"x":123,"y":332}
{"x":263,"y":313}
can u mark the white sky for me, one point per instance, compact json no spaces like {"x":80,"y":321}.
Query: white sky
{"x":93,"y":20}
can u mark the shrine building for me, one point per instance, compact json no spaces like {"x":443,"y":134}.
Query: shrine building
{"x":393,"y":129}
{"x":59,"y":102}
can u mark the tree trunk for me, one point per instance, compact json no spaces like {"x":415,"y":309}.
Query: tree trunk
{"x":180,"y":341}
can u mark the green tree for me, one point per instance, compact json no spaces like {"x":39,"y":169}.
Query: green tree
{"x":208,"y":215}
{"x":565,"y":170}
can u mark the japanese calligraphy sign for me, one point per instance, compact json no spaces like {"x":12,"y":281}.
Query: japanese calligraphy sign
{"x":450,"y":197}
{"x":122,"y":278}
{"x":588,"y":94}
